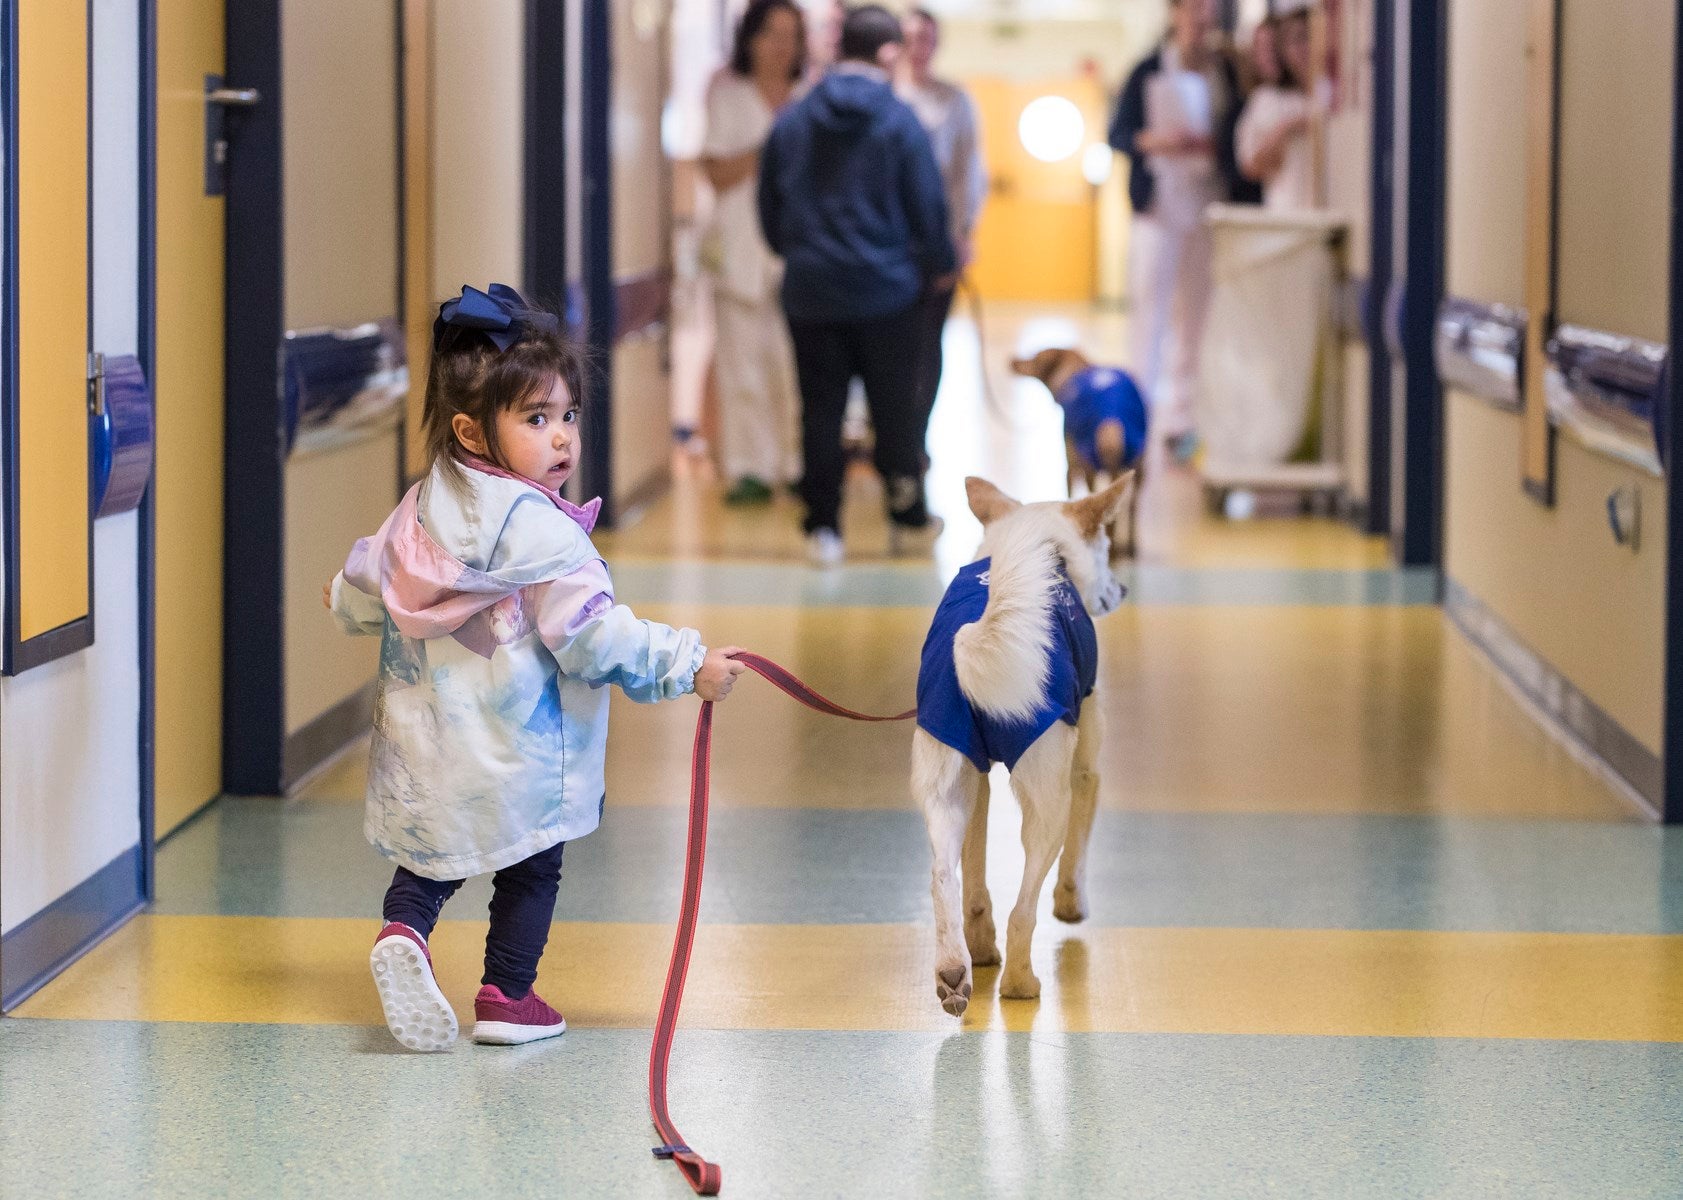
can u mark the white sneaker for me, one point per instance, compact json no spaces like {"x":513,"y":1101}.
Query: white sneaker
{"x":824,"y":548}
{"x":909,"y":541}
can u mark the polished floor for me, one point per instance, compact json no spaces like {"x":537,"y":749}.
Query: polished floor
{"x":1359,"y":926}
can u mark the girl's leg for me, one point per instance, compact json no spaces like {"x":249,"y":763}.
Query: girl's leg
{"x":522,"y":906}
{"x":415,"y":901}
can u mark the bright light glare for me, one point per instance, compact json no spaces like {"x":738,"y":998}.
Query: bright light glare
{"x":1051,"y":128}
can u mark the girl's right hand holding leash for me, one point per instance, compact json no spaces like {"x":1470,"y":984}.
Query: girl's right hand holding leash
{"x":718,"y":673}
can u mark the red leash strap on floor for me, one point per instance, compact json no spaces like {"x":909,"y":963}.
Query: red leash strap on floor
{"x":704,"y":1176}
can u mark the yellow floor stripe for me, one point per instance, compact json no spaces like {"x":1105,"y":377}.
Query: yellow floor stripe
{"x":878,"y":977}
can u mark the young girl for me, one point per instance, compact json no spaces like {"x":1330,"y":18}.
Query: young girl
{"x":498,"y":631}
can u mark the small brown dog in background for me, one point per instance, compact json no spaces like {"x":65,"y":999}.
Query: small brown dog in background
{"x":1105,"y":424}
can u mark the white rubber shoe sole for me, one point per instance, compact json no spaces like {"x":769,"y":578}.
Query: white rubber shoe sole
{"x":416,"y":1011}
{"x":502,"y":1033}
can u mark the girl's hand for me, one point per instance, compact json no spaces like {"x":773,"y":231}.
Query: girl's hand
{"x":327,"y":595}
{"x":718,"y":673}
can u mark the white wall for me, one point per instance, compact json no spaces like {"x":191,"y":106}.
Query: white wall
{"x":69,"y":731}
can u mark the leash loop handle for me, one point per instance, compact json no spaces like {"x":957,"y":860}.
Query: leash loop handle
{"x":702,"y":1175}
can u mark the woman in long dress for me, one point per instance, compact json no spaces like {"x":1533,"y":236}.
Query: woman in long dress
{"x":758,"y":395}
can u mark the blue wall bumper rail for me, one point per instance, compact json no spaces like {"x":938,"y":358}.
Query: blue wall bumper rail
{"x":1605,"y":389}
{"x":122,"y":439}
{"x":342,"y":384}
{"x":1481,"y":349}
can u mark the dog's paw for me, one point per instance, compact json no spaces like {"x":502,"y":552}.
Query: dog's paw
{"x":1069,"y":905}
{"x":1020,"y":985}
{"x":952,"y":987}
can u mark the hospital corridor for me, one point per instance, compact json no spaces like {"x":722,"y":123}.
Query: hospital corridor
{"x":1283,"y":385}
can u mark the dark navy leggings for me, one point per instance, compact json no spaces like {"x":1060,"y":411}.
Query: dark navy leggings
{"x":522,"y":906}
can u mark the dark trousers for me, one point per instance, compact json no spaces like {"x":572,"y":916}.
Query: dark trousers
{"x":884,"y":354}
{"x":522,"y":906}
{"x":933,"y":313}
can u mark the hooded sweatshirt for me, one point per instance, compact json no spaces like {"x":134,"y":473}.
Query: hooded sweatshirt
{"x":851,"y":199}
{"x":499,"y":632}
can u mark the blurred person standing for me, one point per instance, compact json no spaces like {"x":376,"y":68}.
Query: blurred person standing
{"x":1272,"y":140}
{"x":949,"y":118}
{"x":754,"y":363}
{"x":851,"y":197}
{"x":1174,"y":121}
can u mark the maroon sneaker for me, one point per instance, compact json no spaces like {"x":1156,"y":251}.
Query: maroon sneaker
{"x":499,"y":1021}
{"x":416,"y":1011}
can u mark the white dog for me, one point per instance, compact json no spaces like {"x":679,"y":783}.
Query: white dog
{"x":1007,"y":675}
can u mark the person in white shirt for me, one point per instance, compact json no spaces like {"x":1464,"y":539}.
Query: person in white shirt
{"x":754,"y":362}
{"x":1174,"y":121}
{"x":949,"y":117}
{"x":1272,"y":139}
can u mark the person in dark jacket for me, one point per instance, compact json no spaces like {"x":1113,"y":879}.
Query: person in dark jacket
{"x":1174,"y":122}
{"x":852,"y":200}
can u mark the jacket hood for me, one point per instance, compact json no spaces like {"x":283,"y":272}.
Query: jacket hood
{"x":846,"y":102}
{"x":450,"y":551}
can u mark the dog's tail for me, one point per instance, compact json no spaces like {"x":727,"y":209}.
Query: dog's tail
{"x":1003,"y":660}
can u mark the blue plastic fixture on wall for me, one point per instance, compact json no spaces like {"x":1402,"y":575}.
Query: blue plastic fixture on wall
{"x":122,"y":438}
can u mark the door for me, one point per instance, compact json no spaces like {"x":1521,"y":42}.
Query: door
{"x":1035,"y":138}
{"x":188,"y":498}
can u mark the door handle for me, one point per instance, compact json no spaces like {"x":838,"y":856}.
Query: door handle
{"x":218,"y":100}
{"x":234,"y":97}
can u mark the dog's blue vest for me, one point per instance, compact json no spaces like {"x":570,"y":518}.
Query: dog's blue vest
{"x":944,"y":713}
{"x":1091,"y":397}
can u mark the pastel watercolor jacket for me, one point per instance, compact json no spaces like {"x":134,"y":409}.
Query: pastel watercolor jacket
{"x":499,"y":638}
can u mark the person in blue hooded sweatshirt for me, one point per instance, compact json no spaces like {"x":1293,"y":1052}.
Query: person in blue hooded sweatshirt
{"x":853,"y":202}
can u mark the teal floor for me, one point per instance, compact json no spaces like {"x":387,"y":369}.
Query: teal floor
{"x":270,"y":1111}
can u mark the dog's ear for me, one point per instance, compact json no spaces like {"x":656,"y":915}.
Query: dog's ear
{"x":986,"y":501}
{"x":1093,"y":513}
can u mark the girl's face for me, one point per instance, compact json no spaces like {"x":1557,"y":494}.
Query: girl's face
{"x":539,"y":437}
{"x":775,"y":48}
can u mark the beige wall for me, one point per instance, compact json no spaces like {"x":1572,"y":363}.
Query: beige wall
{"x":642,"y":243}
{"x":1485,"y":201}
{"x":1615,"y":164}
{"x":333,"y":497}
{"x":1349,"y":167}
{"x":339,"y":72}
{"x":478,"y":149}
{"x":1592,"y":609}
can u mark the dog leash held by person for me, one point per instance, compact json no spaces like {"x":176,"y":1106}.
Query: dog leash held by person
{"x":702,"y":1175}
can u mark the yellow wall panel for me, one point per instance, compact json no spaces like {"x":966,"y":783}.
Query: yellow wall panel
{"x":188,"y":489}
{"x":53,"y":509}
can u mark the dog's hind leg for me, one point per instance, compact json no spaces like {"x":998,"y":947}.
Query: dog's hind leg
{"x":945,"y":785}
{"x":979,"y":932}
{"x":1069,"y":897}
{"x":1041,"y":781}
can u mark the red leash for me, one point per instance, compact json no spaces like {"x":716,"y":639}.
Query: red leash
{"x":703,"y":1176}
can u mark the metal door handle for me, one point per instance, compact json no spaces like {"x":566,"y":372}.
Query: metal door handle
{"x":234,"y":97}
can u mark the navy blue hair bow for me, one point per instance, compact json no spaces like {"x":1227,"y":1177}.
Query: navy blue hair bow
{"x":499,"y":314}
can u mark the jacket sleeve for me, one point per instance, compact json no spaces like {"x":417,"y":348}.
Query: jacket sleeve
{"x":601,"y":642}
{"x":1130,"y":114}
{"x":924,"y":196}
{"x":770,"y":200}
{"x":356,"y":610}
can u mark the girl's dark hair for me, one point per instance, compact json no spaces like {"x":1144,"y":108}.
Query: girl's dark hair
{"x":753,"y":21}
{"x":469,"y":375}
